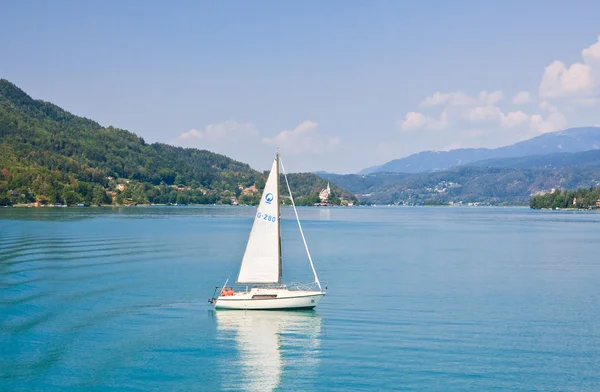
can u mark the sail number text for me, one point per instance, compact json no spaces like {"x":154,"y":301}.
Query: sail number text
{"x":266,"y":217}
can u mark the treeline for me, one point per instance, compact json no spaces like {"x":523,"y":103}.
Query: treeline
{"x":43,"y":186}
{"x":580,"y":198}
{"x":49,"y":156}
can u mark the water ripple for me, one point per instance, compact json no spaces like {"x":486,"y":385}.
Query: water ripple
{"x":420,"y":299}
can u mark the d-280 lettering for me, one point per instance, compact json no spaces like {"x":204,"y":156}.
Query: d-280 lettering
{"x":266,"y":217}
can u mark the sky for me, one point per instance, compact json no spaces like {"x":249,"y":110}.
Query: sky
{"x":336,"y":85}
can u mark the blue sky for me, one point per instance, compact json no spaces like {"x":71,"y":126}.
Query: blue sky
{"x":338,"y":85}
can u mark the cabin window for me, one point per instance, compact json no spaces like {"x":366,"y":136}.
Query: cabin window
{"x":264,"y":296}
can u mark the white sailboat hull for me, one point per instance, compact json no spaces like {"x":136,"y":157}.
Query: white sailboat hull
{"x":270,"y":299}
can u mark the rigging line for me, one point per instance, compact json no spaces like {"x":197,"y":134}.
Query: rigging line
{"x":299,"y":225}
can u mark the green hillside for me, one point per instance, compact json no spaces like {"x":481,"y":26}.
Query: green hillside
{"x":48,"y":155}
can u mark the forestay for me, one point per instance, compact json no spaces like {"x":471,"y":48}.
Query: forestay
{"x":261,"y":263}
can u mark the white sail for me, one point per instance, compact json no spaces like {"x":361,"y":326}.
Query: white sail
{"x":262,"y":260}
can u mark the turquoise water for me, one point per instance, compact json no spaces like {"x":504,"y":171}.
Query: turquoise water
{"x":419,"y":299}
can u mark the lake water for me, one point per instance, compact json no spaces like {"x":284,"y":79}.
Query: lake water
{"x":419,"y":299}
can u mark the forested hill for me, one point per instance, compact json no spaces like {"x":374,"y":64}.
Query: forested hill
{"x":48,"y":155}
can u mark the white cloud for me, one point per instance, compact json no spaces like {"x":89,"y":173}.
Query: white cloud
{"x":591,"y":54}
{"x":577,"y":80}
{"x":491,"y":98}
{"x":554,"y":122}
{"x":415,"y":120}
{"x":489,"y":114}
{"x":483,"y":113}
{"x":523,"y":97}
{"x":228,"y":132}
{"x":302,"y":139}
{"x":483,"y":116}
{"x":545,"y":105}
{"x":514,"y":119}
{"x":559,"y":81}
{"x":459,"y":98}
{"x":453,"y":103}
{"x":451,"y":99}
{"x":493,"y":114}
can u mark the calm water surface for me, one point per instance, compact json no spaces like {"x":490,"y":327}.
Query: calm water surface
{"x":419,"y":299}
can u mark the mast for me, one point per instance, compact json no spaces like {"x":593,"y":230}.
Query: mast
{"x":300,"y":227}
{"x":279,"y":218}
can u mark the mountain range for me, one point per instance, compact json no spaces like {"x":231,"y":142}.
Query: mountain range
{"x":505,"y":181}
{"x":569,"y":140}
{"x":508,"y":175}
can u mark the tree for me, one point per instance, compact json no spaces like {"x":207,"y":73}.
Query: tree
{"x":5,"y":201}
{"x":100,"y":196}
{"x":71,"y":198}
{"x":333,"y":199}
{"x":120,"y":198}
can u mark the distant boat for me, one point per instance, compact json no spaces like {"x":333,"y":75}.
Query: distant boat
{"x":261,"y":267}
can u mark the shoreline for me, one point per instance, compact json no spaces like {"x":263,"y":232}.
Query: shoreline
{"x":26,"y":206}
{"x":31,"y":205}
{"x":154,"y":205}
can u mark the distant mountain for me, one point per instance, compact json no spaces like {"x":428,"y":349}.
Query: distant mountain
{"x":585,"y":159}
{"x":369,"y":170}
{"x":569,"y":140}
{"x":509,"y":181}
{"x":366,"y":184}
{"x":322,"y":173}
{"x":467,"y":184}
{"x":49,"y":155}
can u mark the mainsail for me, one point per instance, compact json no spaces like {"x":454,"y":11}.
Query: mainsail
{"x":261,"y":263}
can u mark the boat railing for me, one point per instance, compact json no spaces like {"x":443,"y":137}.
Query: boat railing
{"x":307,"y":286}
{"x":294,"y":286}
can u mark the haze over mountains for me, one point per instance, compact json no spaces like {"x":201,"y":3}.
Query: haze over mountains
{"x":510,"y":175}
{"x":569,"y":140}
{"x":508,"y":181}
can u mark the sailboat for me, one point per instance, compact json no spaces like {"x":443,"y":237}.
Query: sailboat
{"x":261,"y":267}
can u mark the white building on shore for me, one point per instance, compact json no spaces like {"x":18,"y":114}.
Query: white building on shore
{"x":324,"y":194}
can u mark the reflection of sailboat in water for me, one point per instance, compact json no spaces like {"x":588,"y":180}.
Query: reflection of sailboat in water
{"x":263,"y":338}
